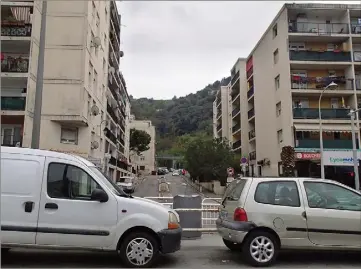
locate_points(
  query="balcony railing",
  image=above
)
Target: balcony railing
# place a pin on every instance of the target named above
(15, 29)
(331, 56)
(319, 83)
(11, 63)
(235, 78)
(121, 164)
(250, 92)
(356, 28)
(250, 113)
(249, 72)
(219, 114)
(326, 113)
(357, 56)
(219, 127)
(358, 84)
(251, 134)
(11, 141)
(235, 111)
(13, 103)
(329, 144)
(111, 112)
(318, 28)
(121, 140)
(109, 134)
(236, 127)
(252, 156)
(236, 144)
(113, 161)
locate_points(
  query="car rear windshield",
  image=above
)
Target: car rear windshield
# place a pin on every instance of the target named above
(234, 190)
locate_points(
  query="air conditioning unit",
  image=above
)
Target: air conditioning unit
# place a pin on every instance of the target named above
(94, 145)
(94, 110)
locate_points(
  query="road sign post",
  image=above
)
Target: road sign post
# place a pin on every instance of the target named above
(244, 164)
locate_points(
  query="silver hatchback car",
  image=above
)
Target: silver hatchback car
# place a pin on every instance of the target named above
(260, 216)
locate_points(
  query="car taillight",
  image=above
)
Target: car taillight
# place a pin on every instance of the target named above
(240, 215)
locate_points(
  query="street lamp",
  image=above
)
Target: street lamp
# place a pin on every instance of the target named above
(330, 86)
(354, 149)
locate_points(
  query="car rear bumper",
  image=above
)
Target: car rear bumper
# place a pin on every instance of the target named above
(234, 231)
(170, 240)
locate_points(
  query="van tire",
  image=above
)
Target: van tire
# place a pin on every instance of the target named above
(250, 239)
(123, 249)
(232, 246)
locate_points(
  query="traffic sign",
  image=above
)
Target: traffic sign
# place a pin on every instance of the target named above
(244, 160)
(230, 171)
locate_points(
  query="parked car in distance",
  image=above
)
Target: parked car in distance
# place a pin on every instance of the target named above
(53, 200)
(260, 216)
(176, 173)
(126, 183)
(161, 171)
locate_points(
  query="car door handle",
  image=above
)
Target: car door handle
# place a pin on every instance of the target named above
(51, 206)
(304, 215)
(28, 207)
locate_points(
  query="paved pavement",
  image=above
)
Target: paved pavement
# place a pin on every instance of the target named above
(208, 252)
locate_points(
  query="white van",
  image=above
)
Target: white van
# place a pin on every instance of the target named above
(56, 200)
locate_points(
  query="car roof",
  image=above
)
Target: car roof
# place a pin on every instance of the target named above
(287, 179)
(46, 153)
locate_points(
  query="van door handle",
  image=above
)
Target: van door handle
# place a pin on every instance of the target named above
(51, 206)
(28, 207)
(304, 215)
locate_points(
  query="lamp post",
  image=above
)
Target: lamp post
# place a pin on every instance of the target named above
(352, 114)
(330, 86)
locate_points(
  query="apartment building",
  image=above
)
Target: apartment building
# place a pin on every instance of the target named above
(85, 102)
(306, 47)
(145, 162)
(221, 112)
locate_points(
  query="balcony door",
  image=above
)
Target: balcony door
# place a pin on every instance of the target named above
(299, 79)
(11, 136)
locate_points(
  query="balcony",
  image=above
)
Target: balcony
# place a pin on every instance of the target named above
(11, 141)
(13, 103)
(113, 161)
(219, 127)
(236, 128)
(318, 28)
(358, 84)
(121, 164)
(328, 144)
(328, 56)
(252, 156)
(219, 113)
(236, 144)
(235, 78)
(235, 111)
(109, 134)
(111, 112)
(355, 28)
(234, 93)
(250, 113)
(319, 83)
(120, 139)
(250, 92)
(326, 113)
(15, 29)
(12, 63)
(251, 134)
(357, 56)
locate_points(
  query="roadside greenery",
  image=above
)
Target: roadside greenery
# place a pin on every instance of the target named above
(139, 141)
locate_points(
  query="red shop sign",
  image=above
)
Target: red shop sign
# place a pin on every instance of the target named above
(308, 156)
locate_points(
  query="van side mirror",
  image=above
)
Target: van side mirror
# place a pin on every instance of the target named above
(99, 195)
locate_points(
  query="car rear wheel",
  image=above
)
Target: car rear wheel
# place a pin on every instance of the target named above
(260, 249)
(232, 246)
(139, 250)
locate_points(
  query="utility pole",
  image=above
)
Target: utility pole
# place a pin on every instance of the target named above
(35, 138)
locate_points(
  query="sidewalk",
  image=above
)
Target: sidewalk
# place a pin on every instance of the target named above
(206, 193)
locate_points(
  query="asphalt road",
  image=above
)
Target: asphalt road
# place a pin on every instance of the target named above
(207, 252)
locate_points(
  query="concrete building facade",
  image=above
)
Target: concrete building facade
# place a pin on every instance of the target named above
(221, 111)
(145, 162)
(306, 47)
(85, 105)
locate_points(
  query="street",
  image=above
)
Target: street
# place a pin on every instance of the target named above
(209, 251)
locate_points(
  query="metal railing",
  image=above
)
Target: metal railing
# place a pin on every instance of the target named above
(319, 83)
(14, 63)
(250, 92)
(355, 28)
(357, 56)
(326, 113)
(237, 144)
(235, 78)
(250, 113)
(209, 209)
(318, 28)
(236, 127)
(235, 111)
(17, 29)
(327, 56)
(13, 103)
(251, 134)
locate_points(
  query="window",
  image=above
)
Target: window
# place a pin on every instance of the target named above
(69, 135)
(296, 46)
(282, 193)
(275, 56)
(331, 196)
(274, 30)
(279, 136)
(142, 158)
(278, 109)
(69, 182)
(235, 189)
(277, 82)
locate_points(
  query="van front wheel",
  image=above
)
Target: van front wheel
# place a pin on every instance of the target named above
(139, 250)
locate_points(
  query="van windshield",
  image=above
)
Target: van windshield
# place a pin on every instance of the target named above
(110, 184)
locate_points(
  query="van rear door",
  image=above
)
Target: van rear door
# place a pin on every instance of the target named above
(21, 178)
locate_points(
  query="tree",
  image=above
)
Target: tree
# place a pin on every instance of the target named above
(208, 159)
(139, 141)
(288, 161)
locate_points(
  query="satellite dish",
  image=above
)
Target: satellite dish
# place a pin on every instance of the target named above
(111, 70)
(96, 42)
(121, 53)
(94, 145)
(94, 110)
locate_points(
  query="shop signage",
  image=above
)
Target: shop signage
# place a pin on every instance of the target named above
(339, 158)
(308, 156)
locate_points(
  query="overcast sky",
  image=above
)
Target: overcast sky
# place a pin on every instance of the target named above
(176, 48)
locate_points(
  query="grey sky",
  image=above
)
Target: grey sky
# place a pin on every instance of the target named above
(176, 48)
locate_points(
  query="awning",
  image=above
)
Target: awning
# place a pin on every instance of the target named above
(336, 128)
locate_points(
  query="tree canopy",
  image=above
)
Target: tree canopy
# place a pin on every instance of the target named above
(139, 140)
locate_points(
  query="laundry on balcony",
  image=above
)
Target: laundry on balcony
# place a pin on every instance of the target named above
(320, 81)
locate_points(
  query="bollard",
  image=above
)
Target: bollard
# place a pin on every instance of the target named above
(189, 219)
